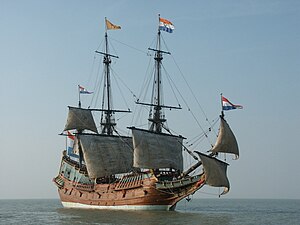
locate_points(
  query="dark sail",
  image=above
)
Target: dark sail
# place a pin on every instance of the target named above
(80, 119)
(157, 150)
(106, 155)
(215, 172)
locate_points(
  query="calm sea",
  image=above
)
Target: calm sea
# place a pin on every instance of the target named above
(197, 211)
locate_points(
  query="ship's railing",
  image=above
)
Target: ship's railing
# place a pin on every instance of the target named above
(131, 181)
(177, 183)
(75, 164)
(59, 181)
(84, 187)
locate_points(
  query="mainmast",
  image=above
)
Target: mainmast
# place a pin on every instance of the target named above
(157, 119)
(107, 123)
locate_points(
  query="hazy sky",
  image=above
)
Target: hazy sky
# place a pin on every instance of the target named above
(249, 50)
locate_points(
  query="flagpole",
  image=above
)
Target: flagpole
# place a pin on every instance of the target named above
(158, 21)
(79, 102)
(222, 112)
(67, 145)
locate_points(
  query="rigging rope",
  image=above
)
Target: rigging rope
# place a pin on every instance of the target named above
(195, 141)
(146, 86)
(92, 70)
(193, 94)
(185, 102)
(97, 85)
(189, 87)
(144, 91)
(170, 80)
(128, 145)
(116, 81)
(134, 96)
(129, 46)
(110, 44)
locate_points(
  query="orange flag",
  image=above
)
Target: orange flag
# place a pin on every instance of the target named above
(110, 26)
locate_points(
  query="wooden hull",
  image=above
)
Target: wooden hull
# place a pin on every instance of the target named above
(132, 192)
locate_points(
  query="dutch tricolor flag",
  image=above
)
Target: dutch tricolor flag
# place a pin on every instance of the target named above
(71, 139)
(227, 105)
(82, 90)
(166, 25)
(70, 144)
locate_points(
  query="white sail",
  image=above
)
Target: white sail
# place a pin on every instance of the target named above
(215, 172)
(80, 119)
(226, 141)
(156, 150)
(106, 155)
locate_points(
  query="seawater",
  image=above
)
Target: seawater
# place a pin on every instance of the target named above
(198, 211)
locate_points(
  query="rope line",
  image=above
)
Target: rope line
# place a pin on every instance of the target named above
(129, 46)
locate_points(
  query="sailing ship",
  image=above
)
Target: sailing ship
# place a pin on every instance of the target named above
(144, 171)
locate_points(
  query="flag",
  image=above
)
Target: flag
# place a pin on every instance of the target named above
(70, 135)
(166, 25)
(110, 26)
(227, 105)
(70, 143)
(82, 90)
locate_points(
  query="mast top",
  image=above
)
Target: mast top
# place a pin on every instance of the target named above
(107, 118)
(156, 116)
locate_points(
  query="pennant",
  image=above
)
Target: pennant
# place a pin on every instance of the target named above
(110, 26)
(166, 25)
(82, 90)
(227, 105)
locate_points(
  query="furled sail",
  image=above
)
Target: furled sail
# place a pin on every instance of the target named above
(106, 155)
(80, 119)
(156, 150)
(215, 172)
(226, 141)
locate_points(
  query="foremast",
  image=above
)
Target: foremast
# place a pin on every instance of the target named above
(107, 153)
(107, 118)
(107, 121)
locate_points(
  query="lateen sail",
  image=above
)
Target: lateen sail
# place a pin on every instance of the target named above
(215, 172)
(226, 141)
(80, 119)
(156, 150)
(106, 155)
